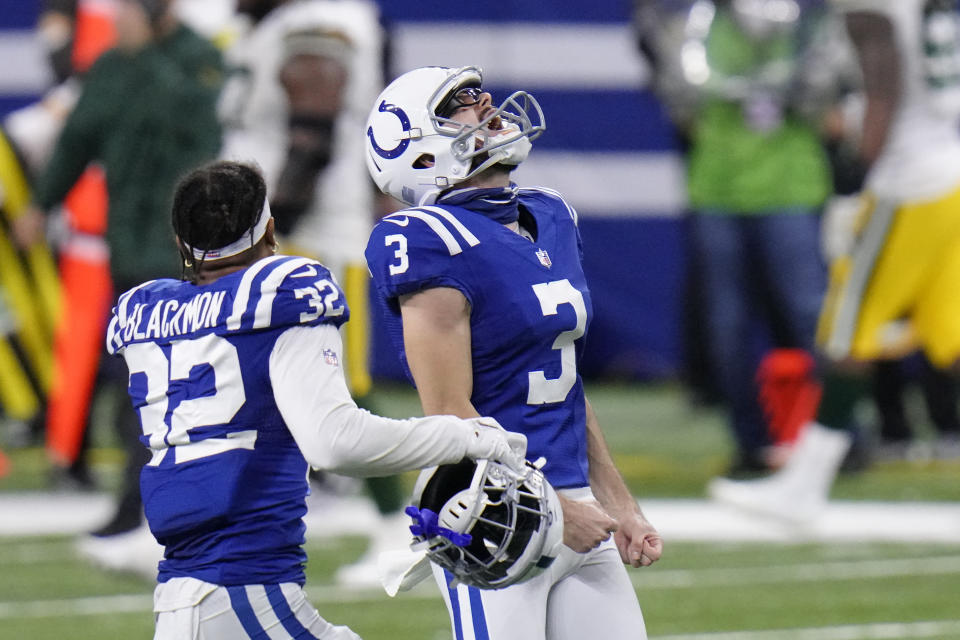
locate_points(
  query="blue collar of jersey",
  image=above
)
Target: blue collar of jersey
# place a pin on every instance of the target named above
(500, 204)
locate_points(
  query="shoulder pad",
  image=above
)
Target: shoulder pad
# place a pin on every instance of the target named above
(279, 291)
(285, 291)
(413, 247)
(549, 197)
(124, 315)
(432, 225)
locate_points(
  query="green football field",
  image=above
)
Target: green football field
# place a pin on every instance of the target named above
(706, 590)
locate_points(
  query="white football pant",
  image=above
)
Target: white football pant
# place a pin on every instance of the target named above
(581, 595)
(275, 611)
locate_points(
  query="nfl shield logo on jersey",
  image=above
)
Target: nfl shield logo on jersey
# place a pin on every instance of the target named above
(330, 357)
(544, 258)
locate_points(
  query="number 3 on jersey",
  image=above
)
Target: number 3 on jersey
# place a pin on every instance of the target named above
(403, 262)
(543, 390)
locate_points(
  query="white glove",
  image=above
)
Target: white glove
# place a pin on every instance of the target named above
(838, 227)
(493, 442)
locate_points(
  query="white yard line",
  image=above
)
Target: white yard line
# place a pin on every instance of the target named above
(670, 579)
(822, 571)
(27, 514)
(100, 605)
(33, 552)
(143, 603)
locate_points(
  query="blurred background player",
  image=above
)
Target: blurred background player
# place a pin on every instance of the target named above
(486, 301)
(235, 373)
(893, 287)
(301, 80)
(744, 81)
(146, 113)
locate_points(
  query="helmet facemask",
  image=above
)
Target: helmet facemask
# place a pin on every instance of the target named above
(508, 141)
(486, 524)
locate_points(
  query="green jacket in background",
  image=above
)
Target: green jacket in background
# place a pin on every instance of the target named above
(148, 118)
(737, 168)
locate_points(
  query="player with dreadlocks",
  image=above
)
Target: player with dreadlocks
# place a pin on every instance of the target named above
(235, 373)
(206, 227)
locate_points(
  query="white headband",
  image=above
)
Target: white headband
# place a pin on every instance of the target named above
(241, 244)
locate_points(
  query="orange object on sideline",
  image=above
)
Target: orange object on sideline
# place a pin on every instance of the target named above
(93, 32)
(4, 465)
(86, 287)
(87, 203)
(789, 392)
(87, 292)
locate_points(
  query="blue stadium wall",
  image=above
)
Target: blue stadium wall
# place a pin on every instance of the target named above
(608, 147)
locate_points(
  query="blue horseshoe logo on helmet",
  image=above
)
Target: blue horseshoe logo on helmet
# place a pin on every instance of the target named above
(404, 122)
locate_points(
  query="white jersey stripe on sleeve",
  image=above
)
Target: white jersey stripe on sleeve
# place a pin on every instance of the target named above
(119, 320)
(268, 290)
(471, 239)
(242, 298)
(113, 336)
(452, 245)
(556, 194)
(125, 299)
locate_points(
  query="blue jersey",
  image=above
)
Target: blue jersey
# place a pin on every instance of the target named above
(529, 311)
(225, 490)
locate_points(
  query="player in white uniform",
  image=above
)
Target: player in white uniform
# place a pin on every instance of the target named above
(295, 101)
(304, 134)
(301, 80)
(893, 286)
(236, 377)
(488, 304)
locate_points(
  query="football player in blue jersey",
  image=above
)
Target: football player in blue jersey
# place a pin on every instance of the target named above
(487, 302)
(235, 373)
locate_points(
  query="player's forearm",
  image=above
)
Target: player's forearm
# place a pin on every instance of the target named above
(356, 442)
(873, 36)
(336, 435)
(605, 480)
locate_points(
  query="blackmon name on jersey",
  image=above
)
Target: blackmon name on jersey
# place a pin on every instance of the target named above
(199, 362)
(276, 291)
(529, 311)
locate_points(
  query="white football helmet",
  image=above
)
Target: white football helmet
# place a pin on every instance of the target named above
(486, 524)
(407, 125)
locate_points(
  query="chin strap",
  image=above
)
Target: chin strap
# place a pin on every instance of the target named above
(511, 153)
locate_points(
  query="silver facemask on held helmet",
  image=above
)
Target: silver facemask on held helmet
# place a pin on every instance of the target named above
(486, 524)
(404, 130)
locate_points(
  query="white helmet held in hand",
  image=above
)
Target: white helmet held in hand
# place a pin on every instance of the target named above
(486, 524)
(415, 151)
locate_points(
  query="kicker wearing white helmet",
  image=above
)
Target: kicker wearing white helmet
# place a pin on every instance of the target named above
(487, 302)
